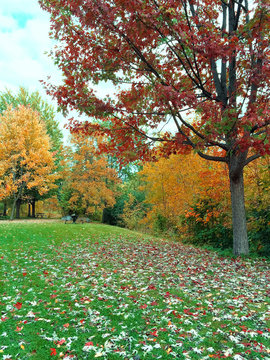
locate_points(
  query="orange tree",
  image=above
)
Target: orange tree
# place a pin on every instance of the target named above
(257, 178)
(172, 57)
(25, 159)
(199, 201)
(89, 182)
(178, 194)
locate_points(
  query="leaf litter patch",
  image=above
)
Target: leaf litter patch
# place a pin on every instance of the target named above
(121, 297)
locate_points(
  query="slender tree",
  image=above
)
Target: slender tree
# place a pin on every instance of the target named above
(89, 182)
(168, 61)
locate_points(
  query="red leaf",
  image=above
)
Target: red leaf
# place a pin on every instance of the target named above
(53, 351)
(18, 305)
(90, 343)
(61, 342)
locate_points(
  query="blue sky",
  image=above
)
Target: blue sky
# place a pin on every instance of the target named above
(24, 39)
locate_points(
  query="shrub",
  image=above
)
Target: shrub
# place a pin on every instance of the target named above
(259, 229)
(207, 225)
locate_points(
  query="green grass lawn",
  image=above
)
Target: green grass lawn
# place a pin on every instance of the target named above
(91, 291)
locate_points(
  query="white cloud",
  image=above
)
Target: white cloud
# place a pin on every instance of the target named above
(21, 6)
(7, 23)
(22, 60)
(24, 39)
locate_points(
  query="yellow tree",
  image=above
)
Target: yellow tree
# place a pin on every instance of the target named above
(89, 181)
(25, 158)
(257, 177)
(172, 186)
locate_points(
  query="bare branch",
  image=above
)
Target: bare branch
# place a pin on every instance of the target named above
(211, 157)
(141, 132)
(201, 136)
(251, 158)
(256, 127)
(238, 13)
(216, 79)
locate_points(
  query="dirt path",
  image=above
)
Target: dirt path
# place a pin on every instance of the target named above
(29, 221)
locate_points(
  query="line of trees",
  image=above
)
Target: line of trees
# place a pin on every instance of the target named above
(35, 166)
(169, 199)
(165, 197)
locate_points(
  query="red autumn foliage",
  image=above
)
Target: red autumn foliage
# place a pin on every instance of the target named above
(175, 59)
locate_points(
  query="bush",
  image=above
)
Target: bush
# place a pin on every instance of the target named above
(205, 229)
(259, 230)
(161, 223)
(113, 215)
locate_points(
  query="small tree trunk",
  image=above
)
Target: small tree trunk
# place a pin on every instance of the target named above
(18, 207)
(103, 220)
(33, 203)
(5, 208)
(29, 210)
(240, 239)
(13, 207)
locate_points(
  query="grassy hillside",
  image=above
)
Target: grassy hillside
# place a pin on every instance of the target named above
(88, 291)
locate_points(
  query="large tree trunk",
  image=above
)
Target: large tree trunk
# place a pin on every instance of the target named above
(18, 207)
(240, 238)
(16, 202)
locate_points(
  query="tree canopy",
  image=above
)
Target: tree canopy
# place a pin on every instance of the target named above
(26, 161)
(200, 66)
(35, 101)
(89, 182)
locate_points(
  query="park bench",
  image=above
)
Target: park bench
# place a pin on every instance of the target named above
(75, 218)
(67, 218)
(40, 215)
(83, 220)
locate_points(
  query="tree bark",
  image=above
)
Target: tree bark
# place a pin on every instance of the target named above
(33, 203)
(103, 216)
(240, 238)
(5, 208)
(13, 207)
(18, 206)
(29, 210)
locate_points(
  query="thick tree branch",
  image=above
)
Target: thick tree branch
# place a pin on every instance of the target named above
(223, 76)
(216, 80)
